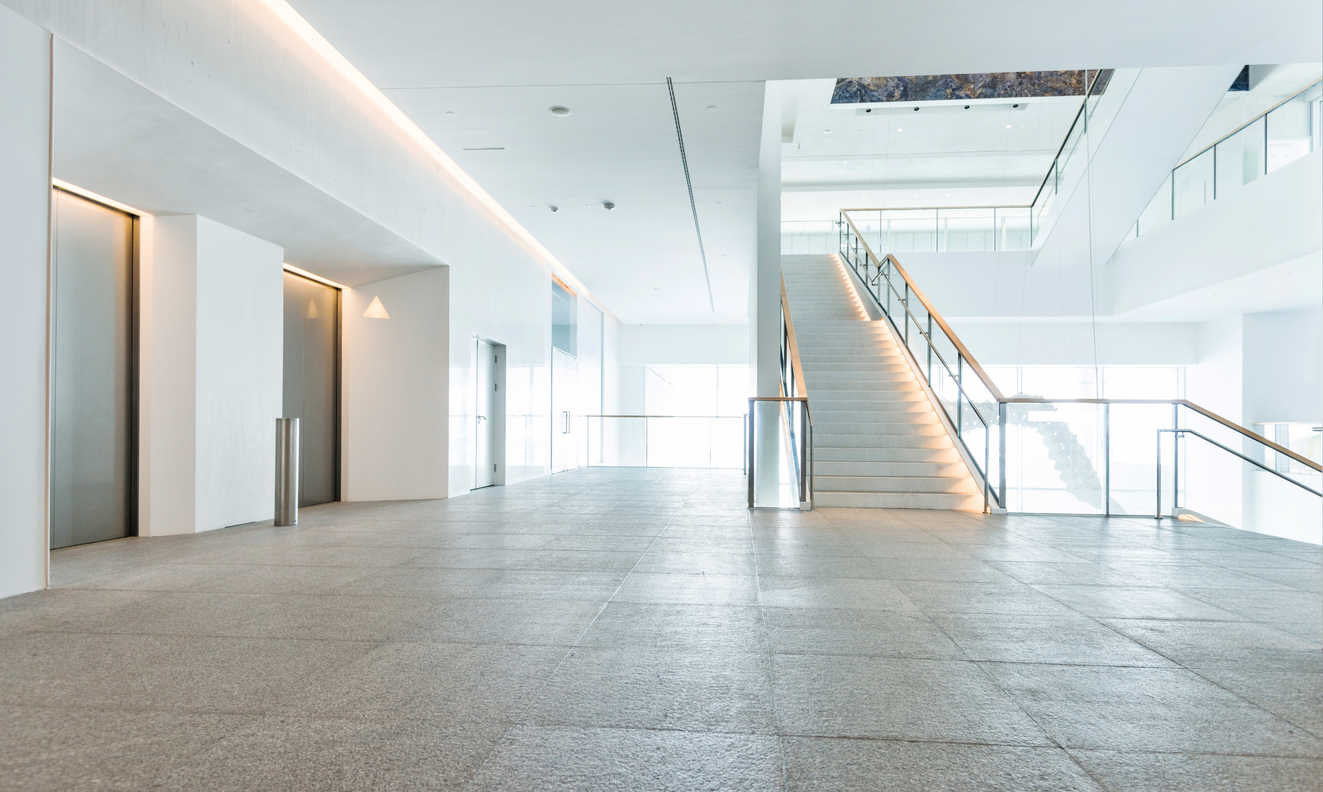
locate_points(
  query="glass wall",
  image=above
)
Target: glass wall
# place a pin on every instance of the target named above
(693, 416)
(1057, 454)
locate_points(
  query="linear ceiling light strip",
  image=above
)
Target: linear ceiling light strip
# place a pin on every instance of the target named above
(693, 207)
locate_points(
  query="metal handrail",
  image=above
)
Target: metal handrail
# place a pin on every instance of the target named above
(933, 312)
(1176, 483)
(1080, 113)
(849, 251)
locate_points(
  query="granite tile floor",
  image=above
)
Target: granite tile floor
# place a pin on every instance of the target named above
(613, 629)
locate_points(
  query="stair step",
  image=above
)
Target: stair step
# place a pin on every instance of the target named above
(962, 484)
(898, 500)
(908, 428)
(827, 440)
(927, 455)
(830, 467)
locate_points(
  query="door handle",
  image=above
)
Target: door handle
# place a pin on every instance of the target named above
(566, 430)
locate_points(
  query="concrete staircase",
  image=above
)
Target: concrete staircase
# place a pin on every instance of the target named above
(878, 442)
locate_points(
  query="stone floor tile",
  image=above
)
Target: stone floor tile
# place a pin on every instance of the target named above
(1166, 772)
(680, 628)
(298, 754)
(1148, 709)
(898, 699)
(848, 631)
(816, 763)
(594, 759)
(535, 622)
(1232, 645)
(694, 589)
(1062, 638)
(647, 688)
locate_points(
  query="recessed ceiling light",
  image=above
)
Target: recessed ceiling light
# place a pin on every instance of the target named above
(898, 129)
(450, 112)
(608, 206)
(826, 131)
(558, 110)
(718, 203)
(554, 208)
(1008, 126)
(712, 107)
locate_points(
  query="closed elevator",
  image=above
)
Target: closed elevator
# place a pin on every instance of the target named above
(312, 384)
(93, 372)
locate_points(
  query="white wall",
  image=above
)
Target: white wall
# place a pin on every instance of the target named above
(1076, 343)
(24, 233)
(394, 383)
(210, 376)
(240, 364)
(643, 345)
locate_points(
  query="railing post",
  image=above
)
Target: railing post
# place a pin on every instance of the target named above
(1001, 454)
(960, 390)
(1157, 514)
(930, 358)
(748, 461)
(803, 451)
(906, 305)
(1175, 459)
(1107, 459)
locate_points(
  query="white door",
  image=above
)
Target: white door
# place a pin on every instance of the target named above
(564, 394)
(484, 431)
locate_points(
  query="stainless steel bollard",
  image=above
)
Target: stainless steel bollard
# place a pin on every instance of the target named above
(287, 471)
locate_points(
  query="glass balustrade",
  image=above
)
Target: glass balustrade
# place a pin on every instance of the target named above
(1081, 455)
(664, 441)
(1277, 138)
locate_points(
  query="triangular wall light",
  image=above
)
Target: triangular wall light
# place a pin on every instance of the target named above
(376, 310)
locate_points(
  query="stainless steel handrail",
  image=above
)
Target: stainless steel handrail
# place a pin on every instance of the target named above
(1084, 106)
(933, 312)
(1176, 483)
(849, 252)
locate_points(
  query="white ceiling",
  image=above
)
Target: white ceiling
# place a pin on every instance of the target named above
(499, 67)
(944, 153)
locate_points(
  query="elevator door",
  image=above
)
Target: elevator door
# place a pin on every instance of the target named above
(92, 452)
(311, 386)
(485, 416)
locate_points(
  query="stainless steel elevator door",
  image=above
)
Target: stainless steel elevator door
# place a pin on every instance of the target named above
(312, 384)
(92, 453)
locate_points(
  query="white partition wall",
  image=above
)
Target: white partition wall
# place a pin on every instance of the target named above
(24, 206)
(212, 333)
(394, 388)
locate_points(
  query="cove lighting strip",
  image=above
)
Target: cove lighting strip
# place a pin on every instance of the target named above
(310, 276)
(300, 27)
(61, 184)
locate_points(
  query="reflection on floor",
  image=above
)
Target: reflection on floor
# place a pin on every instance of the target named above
(639, 629)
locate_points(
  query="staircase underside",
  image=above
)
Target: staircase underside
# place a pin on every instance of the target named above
(878, 441)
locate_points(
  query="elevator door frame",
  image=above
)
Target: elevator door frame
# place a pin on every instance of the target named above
(132, 477)
(337, 443)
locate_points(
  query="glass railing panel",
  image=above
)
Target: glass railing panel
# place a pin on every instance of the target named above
(1240, 158)
(1012, 228)
(1193, 184)
(905, 231)
(961, 230)
(1133, 452)
(1053, 458)
(775, 454)
(1158, 211)
(1291, 129)
(616, 441)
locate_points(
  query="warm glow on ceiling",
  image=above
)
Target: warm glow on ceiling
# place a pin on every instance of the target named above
(300, 27)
